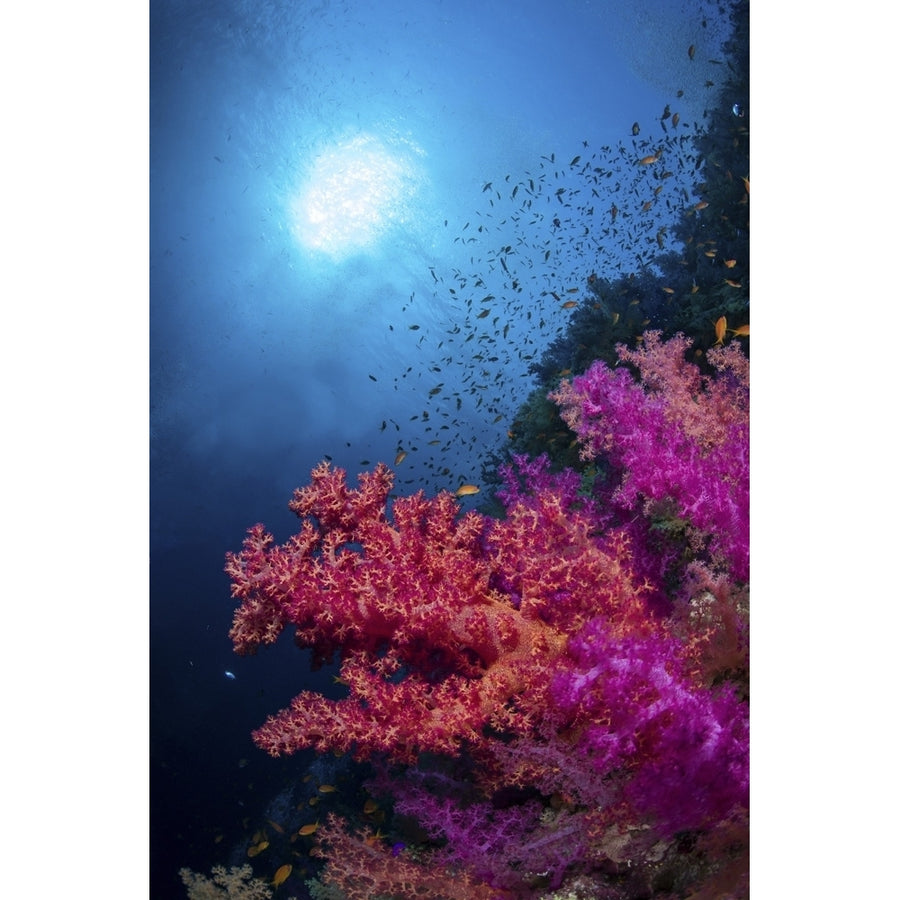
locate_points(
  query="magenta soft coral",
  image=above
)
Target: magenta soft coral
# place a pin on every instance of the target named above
(674, 436)
(682, 747)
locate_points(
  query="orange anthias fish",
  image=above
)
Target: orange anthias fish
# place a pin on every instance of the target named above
(281, 876)
(570, 304)
(741, 330)
(721, 327)
(399, 457)
(464, 490)
(649, 160)
(307, 830)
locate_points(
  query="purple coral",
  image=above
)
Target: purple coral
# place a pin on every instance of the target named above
(675, 437)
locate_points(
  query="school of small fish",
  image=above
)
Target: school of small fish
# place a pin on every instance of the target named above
(538, 236)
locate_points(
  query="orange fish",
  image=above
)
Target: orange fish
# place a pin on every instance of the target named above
(701, 205)
(464, 490)
(668, 290)
(729, 263)
(741, 330)
(370, 807)
(746, 184)
(675, 119)
(649, 160)
(721, 326)
(276, 826)
(569, 304)
(732, 282)
(281, 876)
(307, 830)
(256, 849)
(327, 789)
(399, 457)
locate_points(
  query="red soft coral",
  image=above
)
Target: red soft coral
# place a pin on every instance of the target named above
(445, 626)
(363, 867)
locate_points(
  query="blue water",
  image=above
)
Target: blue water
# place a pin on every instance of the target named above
(335, 189)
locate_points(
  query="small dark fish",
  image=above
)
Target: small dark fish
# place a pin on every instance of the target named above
(636, 129)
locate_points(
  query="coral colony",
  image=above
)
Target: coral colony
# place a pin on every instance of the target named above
(558, 697)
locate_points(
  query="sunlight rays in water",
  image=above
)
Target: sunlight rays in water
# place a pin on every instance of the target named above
(354, 192)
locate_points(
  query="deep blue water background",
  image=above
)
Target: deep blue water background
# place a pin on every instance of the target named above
(267, 355)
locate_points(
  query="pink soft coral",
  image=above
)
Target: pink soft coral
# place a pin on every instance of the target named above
(675, 436)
